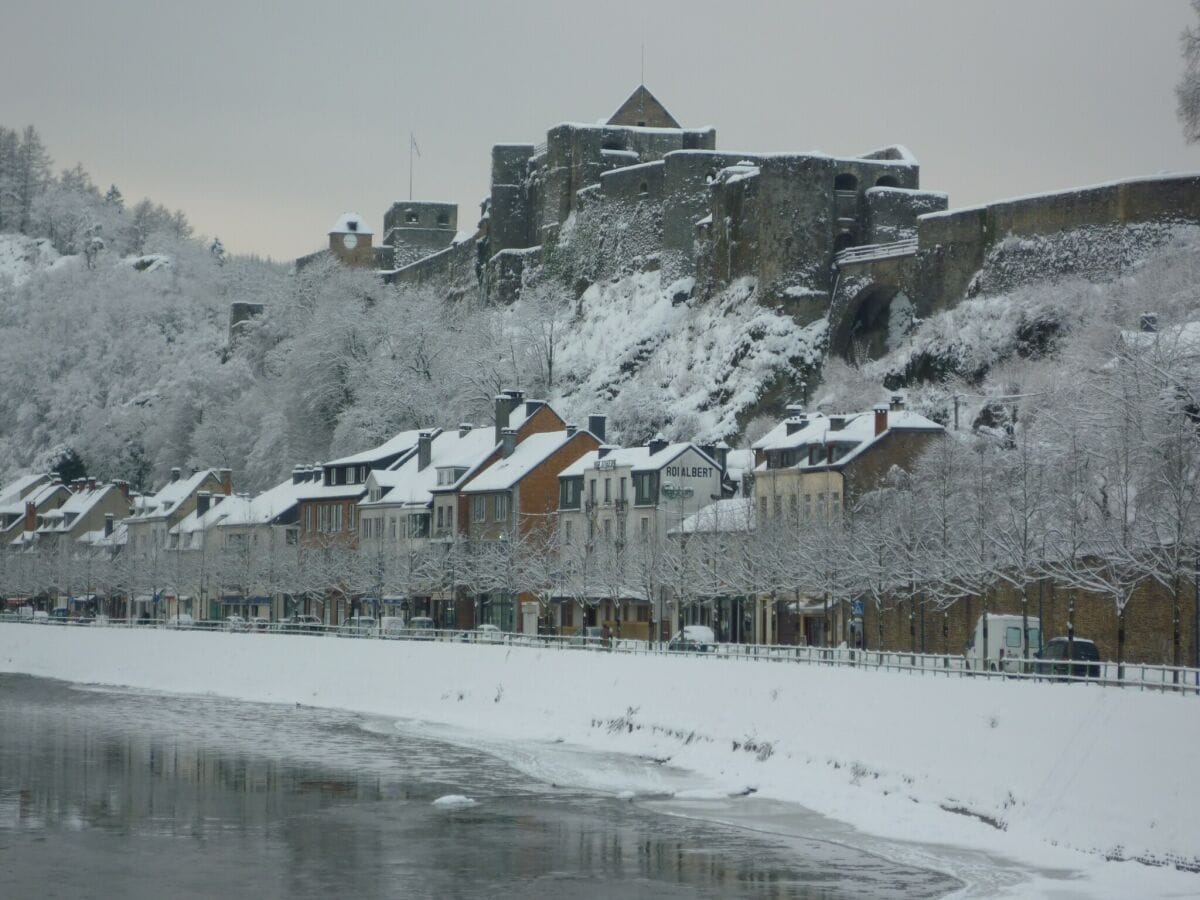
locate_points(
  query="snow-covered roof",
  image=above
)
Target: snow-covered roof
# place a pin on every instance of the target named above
(37, 497)
(721, 516)
(405, 485)
(78, 504)
(350, 223)
(857, 433)
(400, 443)
(269, 505)
(527, 456)
(640, 459)
(220, 508)
(168, 498)
(18, 488)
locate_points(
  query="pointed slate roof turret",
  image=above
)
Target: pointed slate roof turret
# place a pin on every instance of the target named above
(642, 110)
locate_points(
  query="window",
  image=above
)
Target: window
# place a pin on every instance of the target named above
(502, 507)
(592, 490)
(351, 512)
(568, 614)
(778, 507)
(794, 507)
(443, 219)
(308, 518)
(410, 216)
(608, 529)
(845, 182)
(645, 488)
(762, 503)
(567, 532)
(336, 521)
(569, 490)
(591, 530)
(1012, 636)
(887, 181)
(418, 525)
(450, 517)
(622, 494)
(478, 509)
(835, 498)
(439, 518)
(392, 528)
(621, 529)
(608, 490)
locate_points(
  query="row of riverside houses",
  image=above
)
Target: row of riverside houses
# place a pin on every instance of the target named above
(357, 535)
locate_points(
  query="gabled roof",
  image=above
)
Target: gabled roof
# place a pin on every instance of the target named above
(39, 495)
(215, 515)
(406, 486)
(643, 110)
(78, 504)
(526, 456)
(639, 459)
(18, 488)
(269, 505)
(400, 443)
(857, 434)
(172, 494)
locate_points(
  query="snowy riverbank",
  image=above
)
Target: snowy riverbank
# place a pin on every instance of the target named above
(1054, 766)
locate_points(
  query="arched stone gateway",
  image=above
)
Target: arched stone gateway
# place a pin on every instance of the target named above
(870, 309)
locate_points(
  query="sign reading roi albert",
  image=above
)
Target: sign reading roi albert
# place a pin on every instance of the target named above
(688, 471)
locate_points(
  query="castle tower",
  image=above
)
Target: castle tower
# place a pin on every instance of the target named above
(414, 230)
(350, 241)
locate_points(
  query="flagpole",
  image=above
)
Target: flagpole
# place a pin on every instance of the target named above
(411, 143)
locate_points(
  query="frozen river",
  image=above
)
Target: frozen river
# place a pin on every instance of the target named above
(124, 793)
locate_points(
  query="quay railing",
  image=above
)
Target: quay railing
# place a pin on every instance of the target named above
(1102, 674)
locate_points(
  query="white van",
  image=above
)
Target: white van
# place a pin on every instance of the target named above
(1004, 649)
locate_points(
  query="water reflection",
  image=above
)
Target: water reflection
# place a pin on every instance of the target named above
(104, 792)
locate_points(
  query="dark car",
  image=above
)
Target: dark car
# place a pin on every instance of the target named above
(1078, 658)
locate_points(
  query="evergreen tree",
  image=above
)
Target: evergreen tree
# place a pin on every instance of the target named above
(114, 199)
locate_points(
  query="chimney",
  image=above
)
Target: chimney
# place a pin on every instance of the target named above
(203, 501)
(91, 484)
(881, 419)
(424, 450)
(795, 411)
(30, 517)
(299, 474)
(175, 473)
(316, 473)
(897, 402)
(226, 481)
(504, 406)
(709, 450)
(508, 442)
(657, 444)
(464, 428)
(723, 456)
(123, 487)
(1148, 322)
(596, 425)
(571, 429)
(109, 519)
(604, 450)
(794, 425)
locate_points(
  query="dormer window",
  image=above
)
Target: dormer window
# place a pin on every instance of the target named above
(352, 225)
(411, 217)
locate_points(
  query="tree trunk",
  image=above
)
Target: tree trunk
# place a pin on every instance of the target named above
(1121, 644)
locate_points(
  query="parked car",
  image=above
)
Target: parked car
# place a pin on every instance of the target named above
(357, 627)
(40, 616)
(301, 625)
(1061, 659)
(1004, 649)
(259, 623)
(487, 634)
(235, 623)
(693, 639)
(183, 620)
(392, 626)
(420, 628)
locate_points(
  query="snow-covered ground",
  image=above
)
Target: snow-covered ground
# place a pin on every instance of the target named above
(1066, 775)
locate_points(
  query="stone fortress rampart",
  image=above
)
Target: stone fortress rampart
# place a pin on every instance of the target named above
(818, 235)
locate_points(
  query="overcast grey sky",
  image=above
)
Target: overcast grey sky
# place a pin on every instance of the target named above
(264, 122)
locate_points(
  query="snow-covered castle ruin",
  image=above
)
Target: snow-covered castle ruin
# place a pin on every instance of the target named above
(852, 239)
